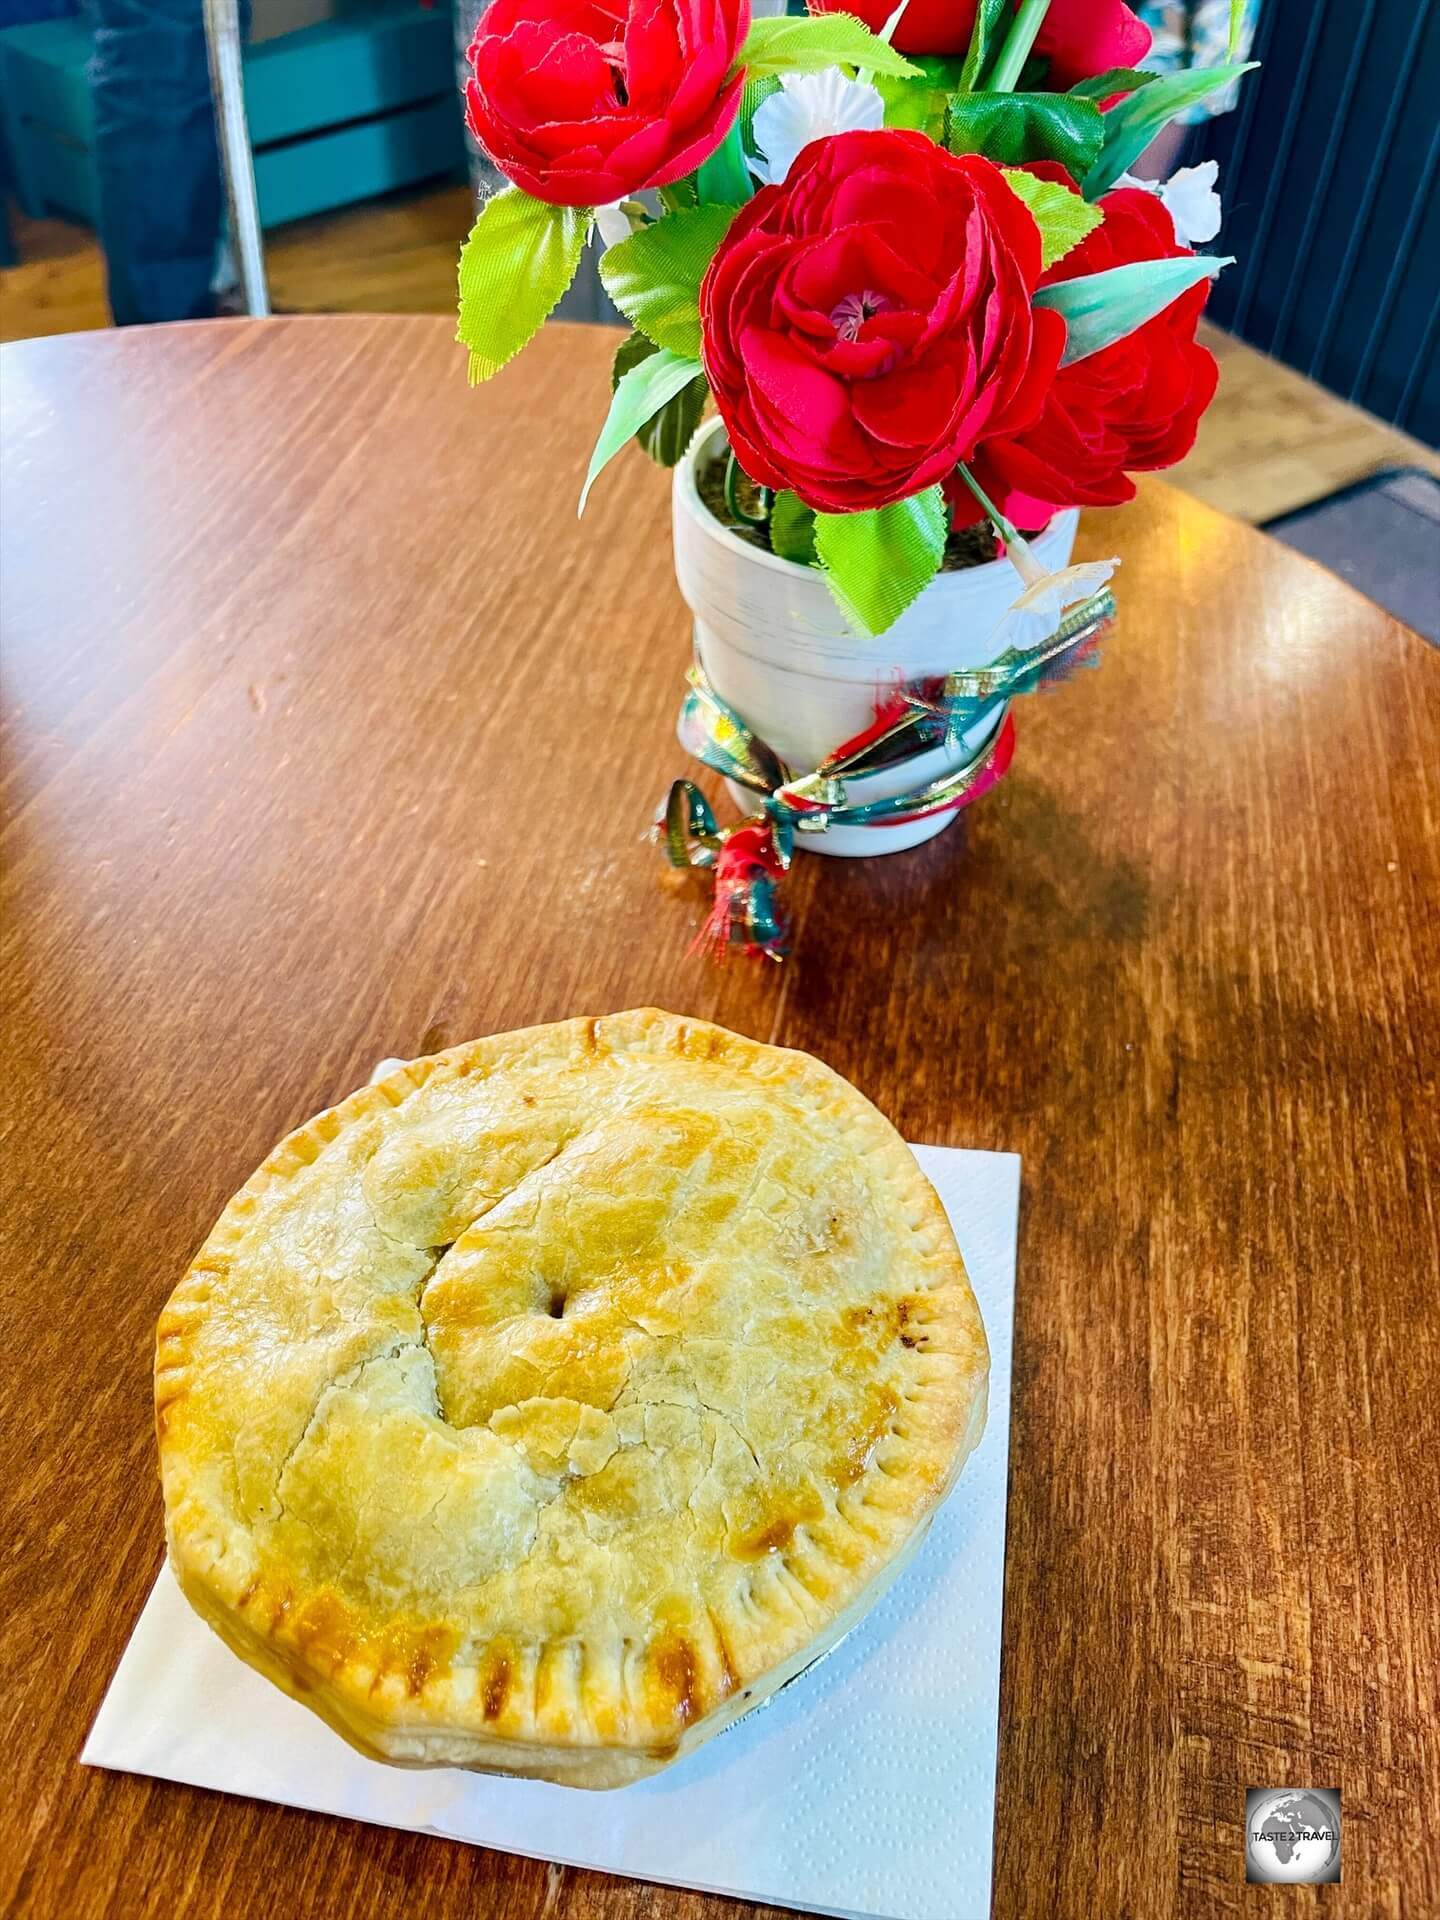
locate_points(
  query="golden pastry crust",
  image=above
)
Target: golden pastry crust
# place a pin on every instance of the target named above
(544, 1407)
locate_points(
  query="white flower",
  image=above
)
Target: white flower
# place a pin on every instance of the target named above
(1190, 199)
(614, 225)
(1032, 619)
(810, 106)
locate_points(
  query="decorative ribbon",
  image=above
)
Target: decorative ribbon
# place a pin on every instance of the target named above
(748, 860)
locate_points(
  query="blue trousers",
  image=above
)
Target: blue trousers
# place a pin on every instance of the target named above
(156, 154)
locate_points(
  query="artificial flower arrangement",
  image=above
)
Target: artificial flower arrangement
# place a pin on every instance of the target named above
(901, 254)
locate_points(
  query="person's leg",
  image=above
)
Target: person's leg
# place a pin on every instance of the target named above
(156, 155)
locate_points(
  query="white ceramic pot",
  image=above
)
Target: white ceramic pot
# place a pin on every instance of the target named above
(779, 651)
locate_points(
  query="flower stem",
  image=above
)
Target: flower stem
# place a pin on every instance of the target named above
(1017, 547)
(1016, 50)
(887, 32)
(732, 498)
(1002, 526)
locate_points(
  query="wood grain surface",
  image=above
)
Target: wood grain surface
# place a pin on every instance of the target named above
(329, 734)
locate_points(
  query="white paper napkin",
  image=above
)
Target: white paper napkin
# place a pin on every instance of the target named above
(865, 1789)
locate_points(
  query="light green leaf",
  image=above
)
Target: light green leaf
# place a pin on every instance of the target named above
(520, 257)
(810, 43)
(792, 529)
(668, 433)
(637, 398)
(1101, 308)
(920, 104)
(1062, 216)
(909, 104)
(1132, 123)
(988, 16)
(654, 276)
(1237, 28)
(877, 562)
(1012, 128)
(1114, 80)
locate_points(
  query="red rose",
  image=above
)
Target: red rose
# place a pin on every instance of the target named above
(863, 324)
(1079, 38)
(1134, 405)
(580, 103)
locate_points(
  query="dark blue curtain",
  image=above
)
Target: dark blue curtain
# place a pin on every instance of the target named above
(1329, 173)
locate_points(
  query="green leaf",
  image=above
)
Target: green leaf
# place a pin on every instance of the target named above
(666, 437)
(988, 16)
(1132, 123)
(667, 434)
(1237, 29)
(752, 95)
(631, 351)
(942, 72)
(1062, 216)
(909, 104)
(724, 179)
(520, 257)
(920, 104)
(654, 276)
(878, 561)
(639, 395)
(1101, 308)
(792, 529)
(810, 43)
(1113, 80)
(1011, 128)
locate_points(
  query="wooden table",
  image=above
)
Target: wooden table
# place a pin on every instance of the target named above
(299, 635)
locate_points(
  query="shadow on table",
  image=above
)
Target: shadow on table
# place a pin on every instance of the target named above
(1030, 878)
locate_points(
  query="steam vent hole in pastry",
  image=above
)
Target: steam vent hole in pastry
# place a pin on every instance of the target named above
(545, 1406)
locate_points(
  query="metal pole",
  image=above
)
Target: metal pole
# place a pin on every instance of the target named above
(222, 37)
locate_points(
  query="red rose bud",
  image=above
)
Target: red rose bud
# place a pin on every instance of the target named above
(1079, 38)
(581, 104)
(863, 325)
(1133, 405)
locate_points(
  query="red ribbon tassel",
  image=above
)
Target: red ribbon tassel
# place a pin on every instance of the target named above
(748, 861)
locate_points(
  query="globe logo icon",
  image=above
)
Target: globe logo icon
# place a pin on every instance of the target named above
(1292, 1834)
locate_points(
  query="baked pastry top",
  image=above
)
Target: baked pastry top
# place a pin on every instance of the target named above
(545, 1406)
